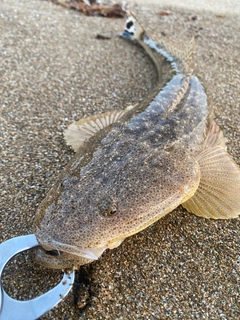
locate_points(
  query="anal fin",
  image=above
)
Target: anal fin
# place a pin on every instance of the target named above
(81, 130)
(218, 193)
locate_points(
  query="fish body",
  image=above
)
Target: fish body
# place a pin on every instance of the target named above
(132, 167)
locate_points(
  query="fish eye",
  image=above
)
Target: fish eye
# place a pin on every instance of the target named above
(107, 207)
(53, 253)
(113, 210)
(109, 212)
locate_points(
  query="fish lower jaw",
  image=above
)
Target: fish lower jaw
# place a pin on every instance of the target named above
(61, 249)
(55, 259)
(65, 249)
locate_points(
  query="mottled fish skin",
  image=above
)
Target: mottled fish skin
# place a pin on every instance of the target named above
(126, 176)
(128, 168)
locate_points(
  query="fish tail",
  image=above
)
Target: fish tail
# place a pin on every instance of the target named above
(180, 60)
(135, 32)
(132, 29)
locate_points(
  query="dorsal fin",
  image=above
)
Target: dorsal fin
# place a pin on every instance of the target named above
(179, 95)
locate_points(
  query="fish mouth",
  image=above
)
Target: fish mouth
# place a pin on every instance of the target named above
(58, 249)
(56, 255)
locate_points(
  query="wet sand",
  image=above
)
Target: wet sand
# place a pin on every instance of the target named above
(53, 71)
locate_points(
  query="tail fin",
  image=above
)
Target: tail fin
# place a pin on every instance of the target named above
(132, 29)
(181, 60)
(135, 32)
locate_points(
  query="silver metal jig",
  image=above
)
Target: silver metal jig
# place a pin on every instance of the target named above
(11, 309)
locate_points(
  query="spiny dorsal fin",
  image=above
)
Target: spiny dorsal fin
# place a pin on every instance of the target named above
(81, 130)
(218, 193)
(179, 95)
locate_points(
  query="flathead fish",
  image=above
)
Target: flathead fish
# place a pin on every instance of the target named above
(134, 166)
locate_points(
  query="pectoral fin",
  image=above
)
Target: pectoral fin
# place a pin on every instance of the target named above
(79, 131)
(218, 193)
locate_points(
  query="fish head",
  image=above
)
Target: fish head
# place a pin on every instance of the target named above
(96, 209)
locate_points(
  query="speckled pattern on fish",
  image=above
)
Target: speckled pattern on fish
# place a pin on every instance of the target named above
(126, 175)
